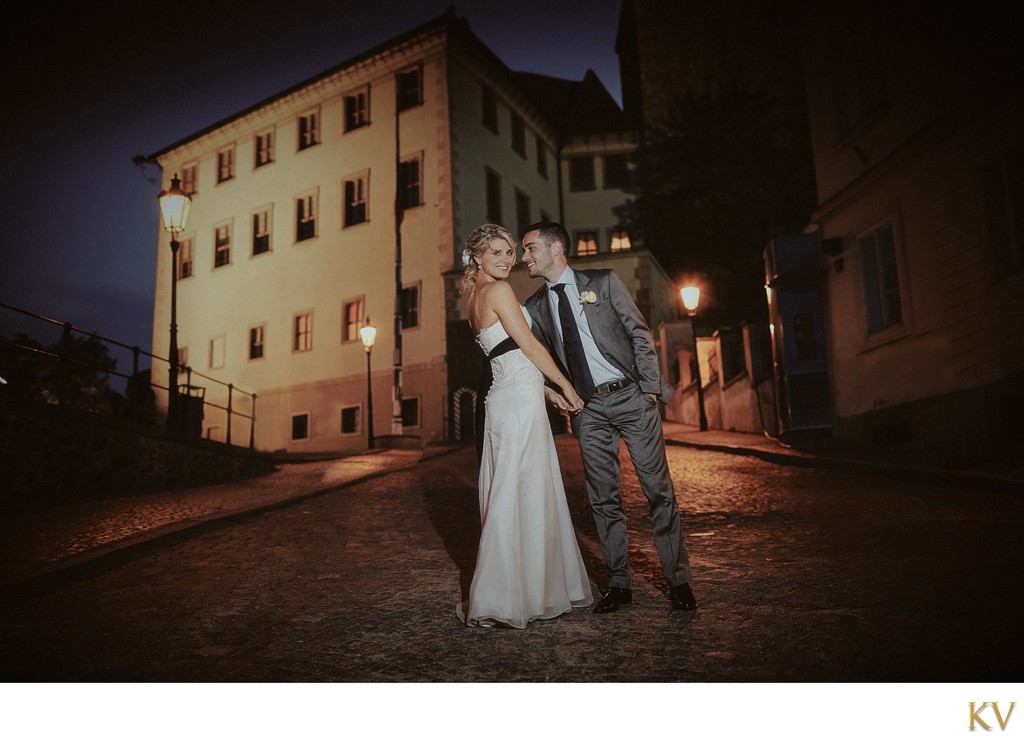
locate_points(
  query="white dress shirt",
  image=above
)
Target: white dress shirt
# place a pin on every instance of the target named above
(600, 368)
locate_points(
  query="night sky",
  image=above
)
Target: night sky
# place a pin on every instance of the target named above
(97, 84)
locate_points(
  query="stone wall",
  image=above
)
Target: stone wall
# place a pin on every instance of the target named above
(50, 455)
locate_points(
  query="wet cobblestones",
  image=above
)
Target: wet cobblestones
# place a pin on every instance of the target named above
(801, 574)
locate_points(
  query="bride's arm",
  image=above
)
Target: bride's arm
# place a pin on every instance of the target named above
(502, 300)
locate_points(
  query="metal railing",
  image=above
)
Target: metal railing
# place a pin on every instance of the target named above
(133, 402)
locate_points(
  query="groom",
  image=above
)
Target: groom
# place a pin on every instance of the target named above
(592, 328)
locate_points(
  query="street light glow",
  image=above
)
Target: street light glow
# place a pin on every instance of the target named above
(368, 334)
(174, 206)
(691, 298)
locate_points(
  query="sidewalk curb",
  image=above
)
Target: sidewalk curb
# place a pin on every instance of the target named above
(91, 563)
(907, 473)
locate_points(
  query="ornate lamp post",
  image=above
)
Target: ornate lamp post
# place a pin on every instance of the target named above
(174, 206)
(691, 298)
(368, 334)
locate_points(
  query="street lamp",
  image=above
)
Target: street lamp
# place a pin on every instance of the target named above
(174, 206)
(691, 298)
(368, 334)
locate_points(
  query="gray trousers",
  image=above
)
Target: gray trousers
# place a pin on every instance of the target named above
(633, 416)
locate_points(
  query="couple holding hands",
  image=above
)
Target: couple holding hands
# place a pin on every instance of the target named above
(581, 343)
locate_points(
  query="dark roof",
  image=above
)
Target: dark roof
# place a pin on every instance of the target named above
(574, 107)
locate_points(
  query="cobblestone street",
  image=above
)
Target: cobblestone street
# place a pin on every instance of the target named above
(802, 575)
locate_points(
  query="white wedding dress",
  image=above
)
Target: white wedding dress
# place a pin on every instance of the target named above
(528, 564)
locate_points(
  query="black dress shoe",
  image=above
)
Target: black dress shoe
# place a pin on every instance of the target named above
(613, 599)
(682, 597)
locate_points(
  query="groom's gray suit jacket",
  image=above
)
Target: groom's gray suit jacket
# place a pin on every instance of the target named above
(620, 331)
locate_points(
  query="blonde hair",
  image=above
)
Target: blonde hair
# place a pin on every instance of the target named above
(477, 243)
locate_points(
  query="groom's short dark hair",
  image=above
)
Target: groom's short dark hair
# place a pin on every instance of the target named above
(550, 231)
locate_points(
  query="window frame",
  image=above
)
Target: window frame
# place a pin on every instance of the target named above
(307, 214)
(222, 250)
(267, 214)
(308, 127)
(403, 102)
(493, 208)
(590, 184)
(517, 138)
(404, 185)
(306, 335)
(262, 343)
(218, 352)
(359, 429)
(263, 154)
(189, 177)
(414, 289)
(594, 234)
(226, 164)
(186, 247)
(895, 329)
(489, 108)
(607, 183)
(542, 158)
(348, 206)
(357, 116)
(308, 425)
(612, 238)
(346, 323)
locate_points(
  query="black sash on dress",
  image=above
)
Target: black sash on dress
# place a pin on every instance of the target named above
(486, 378)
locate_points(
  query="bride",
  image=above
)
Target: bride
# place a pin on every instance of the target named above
(528, 564)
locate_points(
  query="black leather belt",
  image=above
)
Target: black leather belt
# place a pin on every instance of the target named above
(616, 385)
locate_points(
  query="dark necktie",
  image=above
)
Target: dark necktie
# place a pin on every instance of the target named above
(579, 370)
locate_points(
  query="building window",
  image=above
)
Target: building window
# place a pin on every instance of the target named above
(351, 320)
(410, 182)
(544, 215)
(188, 179)
(357, 109)
(217, 352)
(185, 258)
(410, 412)
(881, 279)
(1002, 188)
(356, 199)
(261, 231)
(256, 342)
(410, 307)
(300, 426)
(490, 109)
(542, 157)
(350, 420)
(222, 245)
(225, 164)
(616, 172)
(264, 148)
(309, 129)
(581, 174)
(618, 241)
(586, 243)
(409, 85)
(522, 212)
(518, 135)
(493, 190)
(302, 332)
(305, 217)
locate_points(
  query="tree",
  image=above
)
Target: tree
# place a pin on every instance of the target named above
(74, 371)
(726, 170)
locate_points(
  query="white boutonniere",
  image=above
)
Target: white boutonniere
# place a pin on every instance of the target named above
(587, 298)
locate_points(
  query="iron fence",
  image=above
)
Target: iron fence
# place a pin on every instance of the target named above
(137, 402)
